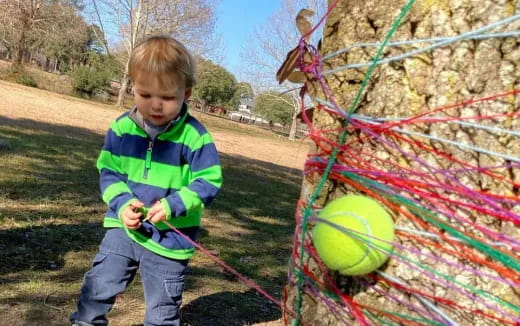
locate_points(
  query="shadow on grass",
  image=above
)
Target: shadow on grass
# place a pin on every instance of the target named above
(51, 177)
(241, 308)
(43, 248)
(49, 162)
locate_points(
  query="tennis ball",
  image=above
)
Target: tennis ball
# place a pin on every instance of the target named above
(346, 251)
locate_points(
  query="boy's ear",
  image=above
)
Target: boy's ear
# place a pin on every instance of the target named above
(187, 93)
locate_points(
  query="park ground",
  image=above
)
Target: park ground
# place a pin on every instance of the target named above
(51, 212)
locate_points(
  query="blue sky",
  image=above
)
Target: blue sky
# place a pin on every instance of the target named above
(236, 22)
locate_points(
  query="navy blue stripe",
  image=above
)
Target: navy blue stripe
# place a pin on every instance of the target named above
(176, 205)
(165, 152)
(205, 190)
(119, 200)
(110, 213)
(196, 124)
(108, 177)
(123, 115)
(169, 153)
(149, 194)
(112, 142)
(133, 146)
(166, 238)
(203, 158)
(169, 238)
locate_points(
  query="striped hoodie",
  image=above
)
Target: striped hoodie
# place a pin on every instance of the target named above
(180, 167)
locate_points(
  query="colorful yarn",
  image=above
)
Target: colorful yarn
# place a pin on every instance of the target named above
(433, 199)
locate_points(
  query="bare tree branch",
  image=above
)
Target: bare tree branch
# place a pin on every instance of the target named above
(192, 22)
(100, 21)
(269, 47)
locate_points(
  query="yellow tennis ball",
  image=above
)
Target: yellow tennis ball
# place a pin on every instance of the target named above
(347, 251)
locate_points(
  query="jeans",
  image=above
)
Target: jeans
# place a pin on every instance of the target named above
(114, 267)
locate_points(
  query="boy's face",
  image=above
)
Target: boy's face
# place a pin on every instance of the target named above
(157, 103)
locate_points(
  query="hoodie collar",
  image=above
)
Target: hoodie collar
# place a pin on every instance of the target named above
(138, 118)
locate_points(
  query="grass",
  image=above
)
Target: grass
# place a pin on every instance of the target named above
(53, 82)
(50, 228)
(44, 80)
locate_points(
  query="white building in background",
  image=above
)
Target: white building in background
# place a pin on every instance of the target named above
(245, 111)
(246, 103)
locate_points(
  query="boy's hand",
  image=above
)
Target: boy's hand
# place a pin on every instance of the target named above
(156, 213)
(131, 217)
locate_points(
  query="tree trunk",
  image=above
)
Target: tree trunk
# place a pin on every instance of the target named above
(122, 91)
(19, 48)
(294, 125)
(446, 75)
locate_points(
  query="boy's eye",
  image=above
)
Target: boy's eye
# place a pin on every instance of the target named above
(145, 95)
(169, 98)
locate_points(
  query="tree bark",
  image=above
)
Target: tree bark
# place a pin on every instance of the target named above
(20, 47)
(447, 75)
(294, 125)
(122, 91)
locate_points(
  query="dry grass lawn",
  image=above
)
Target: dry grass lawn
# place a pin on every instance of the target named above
(20, 102)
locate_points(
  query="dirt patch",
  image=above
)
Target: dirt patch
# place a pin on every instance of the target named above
(21, 102)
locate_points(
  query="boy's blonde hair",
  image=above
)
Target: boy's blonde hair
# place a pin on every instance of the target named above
(163, 57)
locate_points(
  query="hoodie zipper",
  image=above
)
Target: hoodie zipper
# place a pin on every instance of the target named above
(148, 160)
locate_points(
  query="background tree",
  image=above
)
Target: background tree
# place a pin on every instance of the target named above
(274, 107)
(268, 50)
(26, 22)
(447, 75)
(215, 85)
(67, 39)
(241, 89)
(95, 76)
(128, 22)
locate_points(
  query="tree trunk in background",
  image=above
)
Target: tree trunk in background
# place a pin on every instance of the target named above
(294, 126)
(20, 47)
(122, 91)
(447, 75)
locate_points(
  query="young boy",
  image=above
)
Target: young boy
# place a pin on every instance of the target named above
(158, 164)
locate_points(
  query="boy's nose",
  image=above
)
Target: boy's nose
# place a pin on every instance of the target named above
(156, 104)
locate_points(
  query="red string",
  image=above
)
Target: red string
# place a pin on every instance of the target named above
(444, 301)
(244, 279)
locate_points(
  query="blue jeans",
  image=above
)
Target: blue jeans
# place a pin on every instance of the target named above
(114, 267)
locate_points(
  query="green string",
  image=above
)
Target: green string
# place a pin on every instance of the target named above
(473, 290)
(407, 317)
(334, 297)
(427, 216)
(422, 212)
(332, 159)
(380, 321)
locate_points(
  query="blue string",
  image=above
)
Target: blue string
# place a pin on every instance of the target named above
(425, 40)
(419, 297)
(428, 48)
(462, 123)
(439, 139)
(495, 130)
(460, 145)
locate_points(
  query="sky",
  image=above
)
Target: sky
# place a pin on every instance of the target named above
(236, 22)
